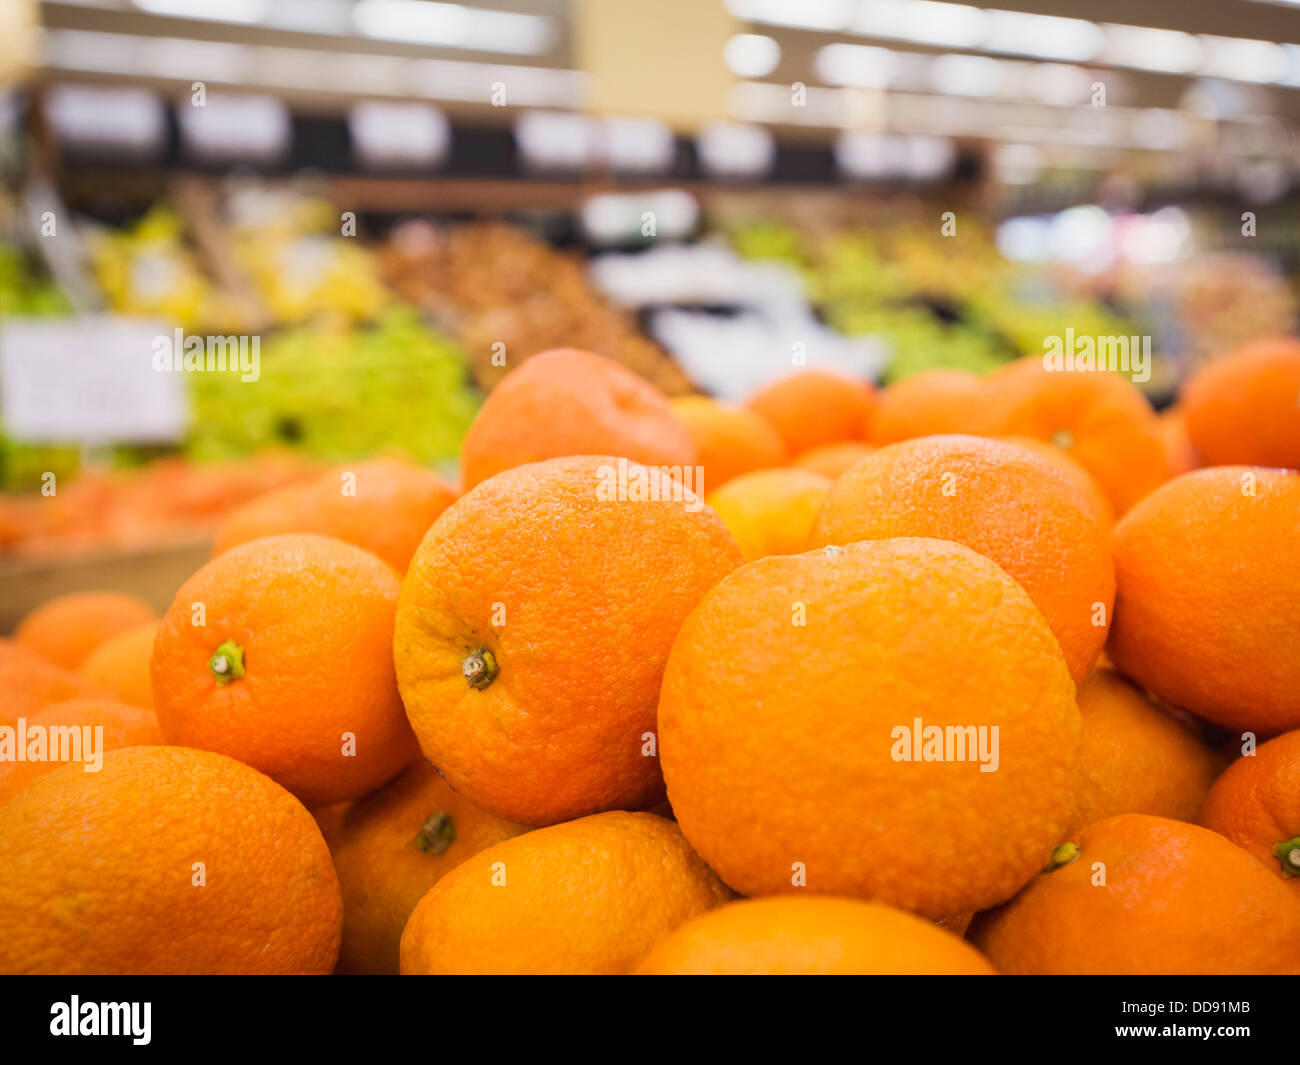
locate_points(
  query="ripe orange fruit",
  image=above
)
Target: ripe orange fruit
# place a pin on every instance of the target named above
(65, 629)
(794, 693)
(533, 629)
(731, 440)
(56, 734)
(570, 402)
(810, 935)
(290, 669)
(168, 860)
(1103, 422)
(1178, 444)
(929, 403)
(590, 896)
(1207, 612)
(393, 845)
(1096, 497)
(1175, 899)
(1256, 804)
(810, 408)
(28, 682)
(384, 505)
(120, 665)
(1007, 503)
(832, 460)
(771, 512)
(1137, 759)
(1244, 408)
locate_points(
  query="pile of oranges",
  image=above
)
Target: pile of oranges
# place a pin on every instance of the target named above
(965, 676)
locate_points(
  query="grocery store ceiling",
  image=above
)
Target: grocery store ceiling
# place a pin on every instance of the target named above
(1027, 71)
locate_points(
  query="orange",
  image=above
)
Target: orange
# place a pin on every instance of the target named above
(1096, 497)
(731, 440)
(57, 734)
(389, 848)
(533, 629)
(1103, 422)
(289, 666)
(1207, 611)
(383, 505)
(65, 629)
(1178, 444)
(570, 402)
(832, 460)
(1136, 759)
(771, 512)
(1256, 804)
(929, 403)
(590, 896)
(1145, 895)
(120, 665)
(1007, 503)
(802, 689)
(1244, 408)
(28, 682)
(168, 860)
(810, 408)
(810, 935)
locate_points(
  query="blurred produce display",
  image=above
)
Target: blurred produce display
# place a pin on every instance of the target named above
(937, 301)
(339, 392)
(149, 270)
(301, 264)
(167, 500)
(492, 284)
(26, 290)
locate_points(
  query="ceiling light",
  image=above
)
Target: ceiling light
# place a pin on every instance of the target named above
(969, 75)
(923, 21)
(1169, 51)
(246, 11)
(857, 65)
(1046, 36)
(733, 149)
(1241, 59)
(751, 55)
(453, 26)
(827, 15)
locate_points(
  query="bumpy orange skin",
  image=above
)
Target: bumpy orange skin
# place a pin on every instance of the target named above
(771, 512)
(1207, 612)
(28, 682)
(1182, 453)
(314, 617)
(1008, 504)
(123, 726)
(577, 596)
(98, 870)
(571, 402)
(731, 440)
(1256, 804)
(811, 936)
(930, 403)
(387, 509)
(1177, 900)
(1101, 419)
(66, 629)
(120, 665)
(832, 460)
(1137, 759)
(1244, 408)
(1058, 457)
(590, 896)
(811, 408)
(390, 848)
(777, 738)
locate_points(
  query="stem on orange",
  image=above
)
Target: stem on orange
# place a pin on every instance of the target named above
(479, 668)
(436, 834)
(1063, 855)
(227, 662)
(1288, 853)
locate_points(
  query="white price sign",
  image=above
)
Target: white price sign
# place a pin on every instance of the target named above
(90, 380)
